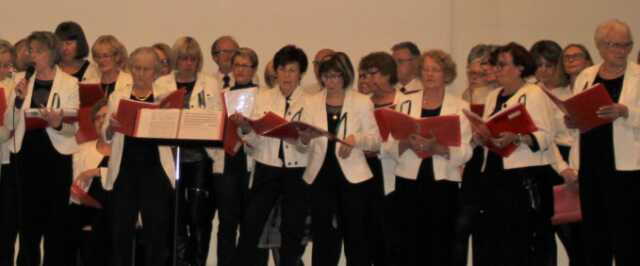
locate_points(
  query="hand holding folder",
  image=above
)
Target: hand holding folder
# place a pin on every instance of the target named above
(582, 108)
(34, 117)
(566, 204)
(272, 125)
(84, 198)
(515, 119)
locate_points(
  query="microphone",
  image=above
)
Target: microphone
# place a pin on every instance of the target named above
(27, 76)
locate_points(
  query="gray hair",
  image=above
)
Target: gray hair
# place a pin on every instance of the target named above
(479, 52)
(609, 26)
(141, 51)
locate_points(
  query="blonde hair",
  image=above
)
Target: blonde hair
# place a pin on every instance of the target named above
(116, 47)
(608, 26)
(444, 60)
(186, 46)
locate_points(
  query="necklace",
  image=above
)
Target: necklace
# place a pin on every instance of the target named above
(142, 98)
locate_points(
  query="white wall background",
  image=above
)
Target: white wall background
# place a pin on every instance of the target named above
(356, 27)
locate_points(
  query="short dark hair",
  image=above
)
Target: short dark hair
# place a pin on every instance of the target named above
(50, 41)
(383, 62)
(338, 62)
(291, 54)
(521, 57)
(412, 47)
(71, 31)
(550, 51)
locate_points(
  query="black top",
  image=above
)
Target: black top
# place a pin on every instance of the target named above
(108, 88)
(596, 145)
(138, 150)
(425, 173)
(80, 73)
(330, 166)
(104, 162)
(243, 86)
(41, 90)
(190, 154)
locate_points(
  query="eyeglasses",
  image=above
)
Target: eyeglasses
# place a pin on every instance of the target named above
(164, 62)
(618, 45)
(7, 65)
(334, 76)
(476, 74)
(244, 66)
(188, 58)
(576, 56)
(502, 65)
(401, 61)
(103, 56)
(226, 51)
(368, 73)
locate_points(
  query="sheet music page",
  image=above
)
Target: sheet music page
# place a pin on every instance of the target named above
(36, 113)
(158, 123)
(240, 101)
(198, 124)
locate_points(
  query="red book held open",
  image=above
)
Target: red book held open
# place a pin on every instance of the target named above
(514, 119)
(583, 106)
(272, 125)
(86, 129)
(446, 128)
(90, 94)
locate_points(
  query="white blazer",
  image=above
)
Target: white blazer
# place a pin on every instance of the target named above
(96, 78)
(88, 157)
(7, 85)
(65, 88)
(540, 109)
(562, 135)
(92, 74)
(413, 85)
(206, 88)
(117, 141)
(356, 118)
(408, 164)
(265, 149)
(626, 131)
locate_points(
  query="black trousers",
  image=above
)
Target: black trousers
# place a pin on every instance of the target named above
(230, 193)
(330, 196)
(195, 212)
(425, 213)
(610, 215)
(267, 187)
(517, 229)
(44, 185)
(89, 247)
(142, 188)
(8, 214)
(377, 230)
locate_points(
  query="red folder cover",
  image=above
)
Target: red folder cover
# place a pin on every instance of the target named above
(84, 197)
(446, 129)
(514, 119)
(272, 125)
(40, 123)
(86, 129)
(127, 114)
(477, 109)
(566, 205)
(90, 94)
(3, 105)
(583, 106)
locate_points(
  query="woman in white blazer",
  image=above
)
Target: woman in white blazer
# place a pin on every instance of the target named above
(232, 171)
(141, 173)
(338, 180)
(552, 77)
(608, 157)
(8, 182)
(377, 77)
(196, 201)
(110, 57)
(427, 189)
(518, 199)
(42, 156)
(278, 163)
(74, 51)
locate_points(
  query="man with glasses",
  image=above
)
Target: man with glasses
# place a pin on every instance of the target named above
(222, 50)
(405, 55)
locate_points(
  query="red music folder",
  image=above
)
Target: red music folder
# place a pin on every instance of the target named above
(446, 129)
(3, 105)
(84, 198)
(477, 109)
(583, 106)
(86, 129)
(514, 119)
(128, 110)
(272, 125)
(34, 120)
(566, 204)
(90, 94)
